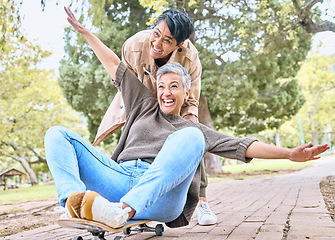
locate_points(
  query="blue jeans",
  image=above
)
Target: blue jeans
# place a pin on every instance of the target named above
(155, 191)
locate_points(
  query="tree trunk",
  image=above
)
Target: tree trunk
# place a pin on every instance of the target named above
(313, 128)
(315, 138)
(32, 175)
(278, 138)
(18, 156)
(213, 163)
(314, 125)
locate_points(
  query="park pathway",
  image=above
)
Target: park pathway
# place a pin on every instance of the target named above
(287, 206)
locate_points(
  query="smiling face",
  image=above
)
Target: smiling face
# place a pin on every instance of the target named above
(171, 93)
(161, 42)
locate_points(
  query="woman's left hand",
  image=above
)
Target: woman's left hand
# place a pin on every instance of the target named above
(303, 153)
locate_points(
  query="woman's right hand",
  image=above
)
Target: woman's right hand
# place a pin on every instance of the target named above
(74, 22)
(107, 57)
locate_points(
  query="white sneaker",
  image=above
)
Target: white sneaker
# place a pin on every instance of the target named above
(95, 207)
(204, 213)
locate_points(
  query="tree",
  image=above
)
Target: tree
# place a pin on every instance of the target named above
(247, 90)
(310, 19)
(250, 52)
(85, 83)
(256, 89)
(269, 39)
(30, 99)
(316, 77)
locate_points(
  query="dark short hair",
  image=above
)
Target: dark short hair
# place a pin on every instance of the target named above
(179, 24)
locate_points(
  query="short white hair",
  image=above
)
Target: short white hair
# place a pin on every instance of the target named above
(178, 69)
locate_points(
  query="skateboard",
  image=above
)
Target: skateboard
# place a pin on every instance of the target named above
(98, 229)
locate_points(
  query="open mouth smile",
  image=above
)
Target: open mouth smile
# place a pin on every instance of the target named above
(168, 102)
(155, 50)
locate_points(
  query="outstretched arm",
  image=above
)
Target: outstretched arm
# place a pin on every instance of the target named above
(106, 56)
(299, 154)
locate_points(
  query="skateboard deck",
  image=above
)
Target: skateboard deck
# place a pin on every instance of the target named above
(98, 229)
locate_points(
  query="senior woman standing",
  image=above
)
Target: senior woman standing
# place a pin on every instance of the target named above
(154, 162)
(143, 54)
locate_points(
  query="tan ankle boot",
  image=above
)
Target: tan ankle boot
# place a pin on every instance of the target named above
(74, 203)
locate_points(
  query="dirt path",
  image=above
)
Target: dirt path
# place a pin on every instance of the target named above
(327, 187)
(15, 218)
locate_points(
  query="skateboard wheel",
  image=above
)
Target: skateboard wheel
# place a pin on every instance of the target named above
(126, 231)
(119, 238)
(159, 229)
(98, 238)
(77, 238)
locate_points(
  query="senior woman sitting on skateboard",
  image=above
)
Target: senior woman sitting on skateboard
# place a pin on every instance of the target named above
(149, 174)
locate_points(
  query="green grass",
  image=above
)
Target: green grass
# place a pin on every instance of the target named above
(40, 192)
(261, 165)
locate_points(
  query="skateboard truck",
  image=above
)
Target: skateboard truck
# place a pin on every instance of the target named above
(98, 230)
(158, 229)
(100, 235)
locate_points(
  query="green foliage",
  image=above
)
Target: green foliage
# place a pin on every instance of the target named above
(316, 77)
(8, 19)
(250, 52)
(30, 99)
(256, 89)
(317, 80)
(130, 14)
(31, 103)
(85, 83)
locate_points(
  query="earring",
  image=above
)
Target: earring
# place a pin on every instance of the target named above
(180, 49)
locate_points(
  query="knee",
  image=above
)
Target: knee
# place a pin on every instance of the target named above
(54, 132)
(194, 136)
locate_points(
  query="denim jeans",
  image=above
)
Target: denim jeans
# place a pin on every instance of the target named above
(155, 191)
